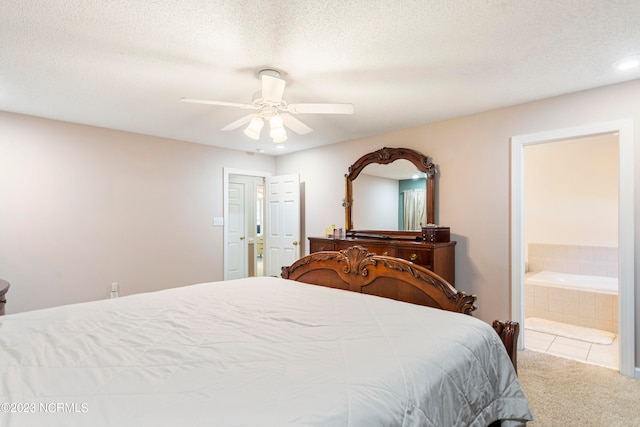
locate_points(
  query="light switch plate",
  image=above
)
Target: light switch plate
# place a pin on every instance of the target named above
(218, 220)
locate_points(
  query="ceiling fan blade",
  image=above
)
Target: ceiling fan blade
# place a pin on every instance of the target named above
(241, 121)
(320, 108)
(295, 125)
(272, 89)
(222, 103)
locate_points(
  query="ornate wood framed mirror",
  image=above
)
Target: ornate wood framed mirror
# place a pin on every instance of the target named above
(375, 182)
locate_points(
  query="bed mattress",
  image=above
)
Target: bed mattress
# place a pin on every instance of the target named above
(253, 352)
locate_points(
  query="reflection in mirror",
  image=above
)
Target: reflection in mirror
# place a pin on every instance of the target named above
(394, 192)
(401, 187)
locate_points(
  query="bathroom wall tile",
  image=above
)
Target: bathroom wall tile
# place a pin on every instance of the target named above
(528, 301)
(586, 268)
(587, 298)
(541, 303)
(571, 319)
(588, 311)
(553, 264)
(549, 251)
(605, 325)
(529, 309)
(536, 250)
(556, 306)
(605, 301)
(573, 267)
(529, 290)
(587, 253)
(572, 308)
(556, 294)
(555, 316)
(600, 269)
(542, 313)
(541, 291)
(587, 322)
(571, 295)
(561, 251)
(600, 253)
(536, 264)
(604, 313)
(573, 252)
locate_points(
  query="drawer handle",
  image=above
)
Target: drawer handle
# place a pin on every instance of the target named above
(385, 253)
(413, 257)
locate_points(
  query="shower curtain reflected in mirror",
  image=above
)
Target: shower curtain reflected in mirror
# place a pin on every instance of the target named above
(415, 209)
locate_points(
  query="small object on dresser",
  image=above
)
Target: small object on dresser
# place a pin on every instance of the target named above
(329, 232)
(435, 234)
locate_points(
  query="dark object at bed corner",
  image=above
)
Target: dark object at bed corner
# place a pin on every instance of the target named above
(4, 288)
(358, 270)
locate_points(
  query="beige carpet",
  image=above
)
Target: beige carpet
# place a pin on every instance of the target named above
(566, 393)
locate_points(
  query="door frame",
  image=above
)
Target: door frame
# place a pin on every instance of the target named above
(626, 227)
(225, 202)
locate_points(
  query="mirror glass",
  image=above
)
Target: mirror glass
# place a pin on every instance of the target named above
(390, 197)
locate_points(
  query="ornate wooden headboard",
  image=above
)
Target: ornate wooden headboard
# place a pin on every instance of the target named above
(358, 270)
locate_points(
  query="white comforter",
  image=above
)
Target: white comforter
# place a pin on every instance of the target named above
(253, 352)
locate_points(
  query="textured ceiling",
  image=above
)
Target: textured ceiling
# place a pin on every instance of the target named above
(124, 64)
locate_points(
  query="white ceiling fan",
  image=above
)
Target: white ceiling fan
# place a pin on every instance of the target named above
(275, 110)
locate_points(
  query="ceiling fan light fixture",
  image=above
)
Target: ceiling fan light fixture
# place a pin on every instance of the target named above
(278, 134)
(254, 128)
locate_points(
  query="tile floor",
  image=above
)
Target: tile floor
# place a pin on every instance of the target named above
(595, 354)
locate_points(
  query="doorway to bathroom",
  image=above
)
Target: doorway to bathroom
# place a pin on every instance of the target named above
(571, 249)
(572, 213)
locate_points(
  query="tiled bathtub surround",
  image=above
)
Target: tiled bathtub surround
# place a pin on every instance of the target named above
(579, 308)
(574, 307)
(589, 260)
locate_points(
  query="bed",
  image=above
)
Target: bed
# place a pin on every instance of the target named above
(269, 351)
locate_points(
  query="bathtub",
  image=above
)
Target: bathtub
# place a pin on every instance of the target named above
(579, 282)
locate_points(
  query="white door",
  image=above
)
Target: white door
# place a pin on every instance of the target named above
(236, 231)
(282, 237)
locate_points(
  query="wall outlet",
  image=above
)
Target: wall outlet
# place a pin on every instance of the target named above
(218, 221)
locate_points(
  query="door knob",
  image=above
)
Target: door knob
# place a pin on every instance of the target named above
(295, 243)
(241, 237)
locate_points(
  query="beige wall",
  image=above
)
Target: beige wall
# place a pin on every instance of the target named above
(571, 192)
(81, 207)
(473, 187)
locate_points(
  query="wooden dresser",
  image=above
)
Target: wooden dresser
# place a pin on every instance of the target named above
(437, 257)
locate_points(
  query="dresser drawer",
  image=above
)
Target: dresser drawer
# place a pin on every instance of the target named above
(318, 245)
(378, 249)
(382, 250)
(422, 257)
